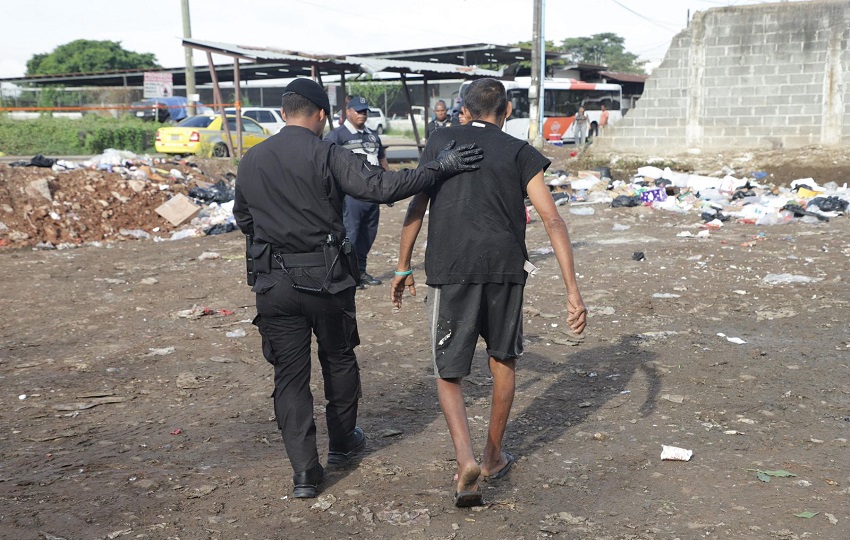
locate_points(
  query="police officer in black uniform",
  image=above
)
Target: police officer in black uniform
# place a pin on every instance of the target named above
(289, 193)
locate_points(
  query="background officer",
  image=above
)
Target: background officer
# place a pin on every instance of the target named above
(361, 217)
(289, 192)
(440, 120)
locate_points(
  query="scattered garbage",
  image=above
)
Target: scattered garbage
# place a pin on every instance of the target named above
(238, 333)
(829, 204)
(112, 196)
(582, 210)
(781, 279)
(37, 161)
(735, 340)
(765, 476)
(718, 200)
(674, 453)
(178, 209)
(196, 312)
(220, 192)
(626, 201)
(134, 233)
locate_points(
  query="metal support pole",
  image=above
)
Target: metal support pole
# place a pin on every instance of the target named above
(344, 94)
(190, 66)
(238, 104)
(425, 114)
(535, 91)
(419, 145)
(318, 73)
(220, 103)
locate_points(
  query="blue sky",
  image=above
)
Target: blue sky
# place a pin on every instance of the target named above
(333, 26)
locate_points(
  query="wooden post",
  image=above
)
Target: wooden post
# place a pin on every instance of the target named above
(410, 108)
(425, 115)
(219, 102)
(318, 73)
(344, 95)
(238, 104)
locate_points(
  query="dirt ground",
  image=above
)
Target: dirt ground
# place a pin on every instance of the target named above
(130, 415)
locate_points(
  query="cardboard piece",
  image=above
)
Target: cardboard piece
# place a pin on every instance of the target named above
(178, 209)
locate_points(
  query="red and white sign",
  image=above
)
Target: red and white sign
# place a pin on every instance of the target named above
(158, 84)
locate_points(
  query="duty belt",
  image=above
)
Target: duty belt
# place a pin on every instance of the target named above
(301, 260)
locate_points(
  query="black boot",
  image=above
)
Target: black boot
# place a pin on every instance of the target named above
(307, 483)
(356, 443)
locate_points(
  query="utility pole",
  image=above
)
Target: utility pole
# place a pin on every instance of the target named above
(535, 92)
(190, 67)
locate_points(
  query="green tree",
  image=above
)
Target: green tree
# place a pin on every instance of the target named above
(606, 49)
(376, 93)
(550, 45)
(84, 55)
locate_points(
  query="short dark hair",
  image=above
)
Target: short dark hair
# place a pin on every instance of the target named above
(485, 97)
(296, 105)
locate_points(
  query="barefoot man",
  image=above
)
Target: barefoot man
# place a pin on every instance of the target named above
(476, 264)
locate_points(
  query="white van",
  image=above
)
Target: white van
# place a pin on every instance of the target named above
(376, 121)
(268, 117)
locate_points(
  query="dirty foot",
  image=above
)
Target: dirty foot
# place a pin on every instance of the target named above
(467, 493)
(506, 461)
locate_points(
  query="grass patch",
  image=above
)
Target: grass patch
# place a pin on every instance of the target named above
(67, 136)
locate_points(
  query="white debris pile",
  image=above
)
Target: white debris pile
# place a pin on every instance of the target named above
(716, 198)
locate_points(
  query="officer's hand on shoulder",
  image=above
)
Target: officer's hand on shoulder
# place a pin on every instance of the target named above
(451, 160)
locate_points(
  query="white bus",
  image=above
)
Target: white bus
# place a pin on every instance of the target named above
(561, 100)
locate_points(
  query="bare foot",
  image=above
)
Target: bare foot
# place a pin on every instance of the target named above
(467, 479)
(500, 468)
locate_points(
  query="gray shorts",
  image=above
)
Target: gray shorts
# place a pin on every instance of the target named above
(459, 313)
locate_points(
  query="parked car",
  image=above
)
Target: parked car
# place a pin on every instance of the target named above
(376, 121)
(204, 134)
(268, 117)
(419, 114)
(161, 109)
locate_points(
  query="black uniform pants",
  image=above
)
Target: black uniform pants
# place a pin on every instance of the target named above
(361, 226)
(286, 318)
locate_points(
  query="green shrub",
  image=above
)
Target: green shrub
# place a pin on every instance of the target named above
(65, 136)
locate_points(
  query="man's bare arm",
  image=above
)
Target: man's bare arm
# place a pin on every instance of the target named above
(542, 200)
(409, 232)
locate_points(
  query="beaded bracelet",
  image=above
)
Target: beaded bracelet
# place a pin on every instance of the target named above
(405, 273)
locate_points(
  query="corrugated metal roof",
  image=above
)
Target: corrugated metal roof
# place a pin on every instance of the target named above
(338, 63)
(624, 77)
(377, 65)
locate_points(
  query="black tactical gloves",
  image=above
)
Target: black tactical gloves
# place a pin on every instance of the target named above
(451, 161)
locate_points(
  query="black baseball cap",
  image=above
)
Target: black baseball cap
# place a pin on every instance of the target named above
(358, 104)
(311, 90)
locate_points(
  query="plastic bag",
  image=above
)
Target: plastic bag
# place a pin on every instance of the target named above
(626, 201)
(220, 192)
(829, 204)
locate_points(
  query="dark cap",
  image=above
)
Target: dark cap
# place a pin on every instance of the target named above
(358, 104)
(311, 90)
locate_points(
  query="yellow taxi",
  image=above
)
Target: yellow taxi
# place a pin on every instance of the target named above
(204, 135)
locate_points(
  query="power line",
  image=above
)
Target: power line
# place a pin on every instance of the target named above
(662, 25)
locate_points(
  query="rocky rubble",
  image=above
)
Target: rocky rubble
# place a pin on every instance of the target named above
(110, 197)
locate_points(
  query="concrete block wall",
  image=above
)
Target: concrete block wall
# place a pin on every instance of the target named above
(748, 77)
